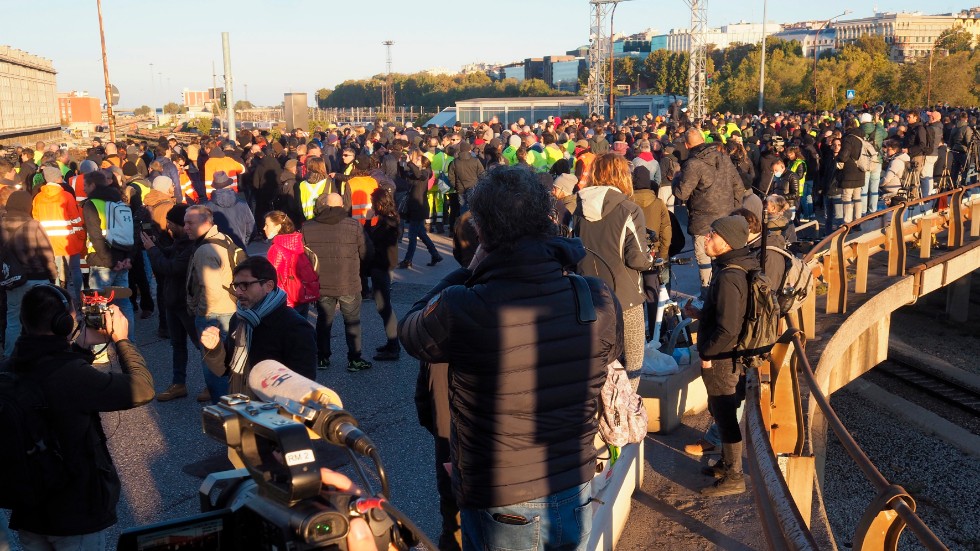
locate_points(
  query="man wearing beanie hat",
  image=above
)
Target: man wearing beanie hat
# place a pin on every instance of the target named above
(232, 214)
(722, 318)
(510, 152)
(26, 246)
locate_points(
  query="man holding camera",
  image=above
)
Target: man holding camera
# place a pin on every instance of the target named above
(53, 352)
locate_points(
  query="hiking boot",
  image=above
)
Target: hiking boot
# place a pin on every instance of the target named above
(730, 484)
(323, 363)
(387, 354)
(702, 447)
(718, 470)
(204, 396)
(435, 260)
(358, 365)
(175, 391)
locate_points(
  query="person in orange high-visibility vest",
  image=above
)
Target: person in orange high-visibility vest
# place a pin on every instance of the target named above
(61, 218)
(189, 179)
(218, 161)
(77, 182)
(361, 186)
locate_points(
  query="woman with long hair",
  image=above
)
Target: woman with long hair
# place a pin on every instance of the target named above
(384, 230)
(417, 171)
(296, 272)
(613, 230)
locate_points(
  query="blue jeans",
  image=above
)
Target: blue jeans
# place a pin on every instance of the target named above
(95, 541)
(806, 200)
(217, 386)
(100, 278)
(869, 193)
(416, 231)
(560, 521)
(69, 275)
(15, 297)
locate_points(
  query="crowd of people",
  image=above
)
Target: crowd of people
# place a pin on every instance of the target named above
(525, 204)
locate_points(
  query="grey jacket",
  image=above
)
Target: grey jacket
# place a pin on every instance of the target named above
(705, 184)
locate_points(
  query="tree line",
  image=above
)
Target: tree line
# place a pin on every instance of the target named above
(950, 76)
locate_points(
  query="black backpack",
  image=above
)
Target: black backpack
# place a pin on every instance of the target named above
(760, 328)
(31, 463)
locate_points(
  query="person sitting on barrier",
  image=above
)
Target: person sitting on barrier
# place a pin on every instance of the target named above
(898, 162)
(722, 319)
(525, 372)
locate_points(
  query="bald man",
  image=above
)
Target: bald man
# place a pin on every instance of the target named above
(338, 241)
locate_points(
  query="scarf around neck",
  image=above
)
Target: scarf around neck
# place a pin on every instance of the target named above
(251, 318)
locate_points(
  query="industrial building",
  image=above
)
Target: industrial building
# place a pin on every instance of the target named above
(28, 98)
(79, 110)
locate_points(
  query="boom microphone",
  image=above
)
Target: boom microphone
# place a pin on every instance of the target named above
(316, 405)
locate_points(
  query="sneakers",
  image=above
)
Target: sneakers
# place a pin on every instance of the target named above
(358, 365)
(702, 447)
(174, 392)
(386, 354)
(323, 363)
(730, 484)
(204, 396)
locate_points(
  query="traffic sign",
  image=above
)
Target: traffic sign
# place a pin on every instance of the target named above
(115, 94)
(850, 94)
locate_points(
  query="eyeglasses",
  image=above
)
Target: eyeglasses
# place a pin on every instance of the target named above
(347, 155)
(242, 285)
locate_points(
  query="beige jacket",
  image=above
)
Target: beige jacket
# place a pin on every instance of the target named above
(209, 278)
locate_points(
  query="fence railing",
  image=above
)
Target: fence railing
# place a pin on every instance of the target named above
(775, 435)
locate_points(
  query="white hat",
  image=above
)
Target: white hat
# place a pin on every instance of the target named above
(865, 117)
(163, 184)
(514, 141)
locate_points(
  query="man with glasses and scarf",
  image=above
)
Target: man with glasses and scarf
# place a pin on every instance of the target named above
(263, 328)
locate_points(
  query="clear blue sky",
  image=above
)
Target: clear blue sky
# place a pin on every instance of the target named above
(302, 45)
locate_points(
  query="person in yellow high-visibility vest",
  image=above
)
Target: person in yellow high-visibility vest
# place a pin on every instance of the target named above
(313, 186)
(436, 196)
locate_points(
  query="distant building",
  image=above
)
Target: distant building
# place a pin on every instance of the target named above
(561, 72)
(910, 35)
(440, 71)
(810, 36)
(28, 98)
(509, 110)
(79, 109)
(196, 98)
(679, 40)
(513, 70)
(534, 68)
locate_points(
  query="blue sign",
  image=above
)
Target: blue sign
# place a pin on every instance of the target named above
(850, 94)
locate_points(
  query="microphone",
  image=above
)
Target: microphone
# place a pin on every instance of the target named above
(319, 407)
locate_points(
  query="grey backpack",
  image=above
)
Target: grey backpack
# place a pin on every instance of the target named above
(797, 283)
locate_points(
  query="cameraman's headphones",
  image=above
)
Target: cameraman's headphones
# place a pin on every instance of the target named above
(62, 324)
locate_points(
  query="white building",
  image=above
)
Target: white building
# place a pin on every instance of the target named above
(824, 40)
(679, 40)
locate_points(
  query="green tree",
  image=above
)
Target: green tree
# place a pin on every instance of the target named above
(202, 124)
(142, 110)
(955, 40)
(173, 108)
(321, 97)
(243, 104)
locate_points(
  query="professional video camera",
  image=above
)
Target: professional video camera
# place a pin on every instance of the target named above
(95, 304)
(277, 501)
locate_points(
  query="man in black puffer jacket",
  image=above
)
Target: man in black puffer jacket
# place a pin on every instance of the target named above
(524, 373)
(704, 184)
(338, 242)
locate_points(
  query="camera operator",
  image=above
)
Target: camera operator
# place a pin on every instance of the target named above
(54, 353)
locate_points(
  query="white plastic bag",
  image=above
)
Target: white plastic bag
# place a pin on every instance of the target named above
(656, 362)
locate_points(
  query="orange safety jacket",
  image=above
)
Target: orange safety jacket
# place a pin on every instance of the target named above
(231, 167)
(361, 188)
(61, 217)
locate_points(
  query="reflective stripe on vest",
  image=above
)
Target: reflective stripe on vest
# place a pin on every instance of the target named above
(308, 194)
(78, 184)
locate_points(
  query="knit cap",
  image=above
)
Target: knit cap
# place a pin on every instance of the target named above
(163, 184)
(733, 229)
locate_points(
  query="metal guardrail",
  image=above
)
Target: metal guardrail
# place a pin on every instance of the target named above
(774, 416)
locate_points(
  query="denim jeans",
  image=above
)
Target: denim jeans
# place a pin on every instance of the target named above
(834, 211)
(350, 308)
(560, 521)
(100, 278)
(806, 200)
(869, 193)
(69, 275)
(181, 326)
(381, 287)
(95, 541)
(15, 297)
(416, 231)
(217, 386)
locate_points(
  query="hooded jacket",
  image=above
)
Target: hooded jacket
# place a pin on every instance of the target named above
(285, 250)
(657, 218)
(613, 230)
(24, 239)
(59, 214)
(417, 179)
(232, 215)
(524, 374)
(209, 277)
(170, 265)
(76, 392)
(850, 151)
(338, 241)
(705, 184)
(159, 204)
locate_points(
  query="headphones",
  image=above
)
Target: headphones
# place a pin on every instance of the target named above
(62, 323)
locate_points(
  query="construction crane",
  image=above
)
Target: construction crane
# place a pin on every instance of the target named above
(601, 53)
(388, 88)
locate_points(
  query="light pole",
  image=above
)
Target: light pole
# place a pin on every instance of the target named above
(762, 65)
(816, 54)
(929, 80)
(612, 63)
(105, 71)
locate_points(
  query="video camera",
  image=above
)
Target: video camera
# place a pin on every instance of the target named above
(95, 304)
(277, 501)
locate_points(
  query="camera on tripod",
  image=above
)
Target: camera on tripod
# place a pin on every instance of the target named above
(277, 501)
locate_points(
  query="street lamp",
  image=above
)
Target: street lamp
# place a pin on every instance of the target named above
(816, 54)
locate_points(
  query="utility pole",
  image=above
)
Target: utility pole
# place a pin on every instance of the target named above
(697, 60)
(229, 82)
(215, 98)
(152, 84)
(388, 90)
(762, 65)
(105, 70)
(612, 64)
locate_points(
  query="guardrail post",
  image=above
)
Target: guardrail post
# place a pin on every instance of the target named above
(975, 219)
(896, 243)
(863, 256)
(835, 274)
(808, 316)
(800, 471)
(954, 237)
(925, 236)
